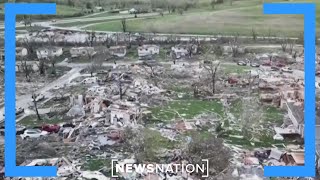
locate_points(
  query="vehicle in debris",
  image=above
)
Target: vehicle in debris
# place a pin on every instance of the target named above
(37, 97)
(287, 70)
(241, 63)
(232, 80)
(19, 110)
(280, 65)
(51, 128)
(33, 133)
(68, 125)
(274, 68)
(20, 130)
(254, 65)
(90, 80)
(266, 63)
(207, 62)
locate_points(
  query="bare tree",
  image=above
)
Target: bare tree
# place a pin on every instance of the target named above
(212, 68)
(269, 35)
(51, 59)
(254, 34)
(41, 66)
(91, 38)
(251, 111)
(124, 24)
(29, 45)
(122, 90)
(284, 44)
(210, 148)
(96, 63)
(150, 69)
(213, 3)
(190, 50)
(291, 46)
(26, 69)
(34, 99)
(234, 44)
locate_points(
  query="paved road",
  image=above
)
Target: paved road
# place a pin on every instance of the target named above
(25, 100)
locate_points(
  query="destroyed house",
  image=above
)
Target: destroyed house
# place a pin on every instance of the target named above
(44, 53)
(183, 50)
(82, 51)
(123, 115)
(21, 52)
(148, 50)
(2, 54)
(296, 115)
(291, 94)
(118, 51)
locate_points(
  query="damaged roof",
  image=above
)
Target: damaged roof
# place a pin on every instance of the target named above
(297, 112)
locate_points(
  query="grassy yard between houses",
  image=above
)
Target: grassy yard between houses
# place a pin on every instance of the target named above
(186, 109)
(32, 121)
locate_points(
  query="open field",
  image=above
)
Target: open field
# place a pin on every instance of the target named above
(242, 18)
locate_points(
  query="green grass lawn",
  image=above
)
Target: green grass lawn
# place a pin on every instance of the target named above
(186, 108)
(67, 10)
(228, 69)
(31, 121)
(240, 18)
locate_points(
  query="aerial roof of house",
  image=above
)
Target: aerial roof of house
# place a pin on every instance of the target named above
(47, 48)
(148, 46)
(87, 47)
(298, 113)
(117, 47)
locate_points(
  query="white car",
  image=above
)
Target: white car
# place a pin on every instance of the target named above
(287, 70)
(19, 110)
(33, 133)
(39, 97)
(90, 80)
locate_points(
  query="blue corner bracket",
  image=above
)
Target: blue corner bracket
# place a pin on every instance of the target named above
(309, 12)
(11, 169)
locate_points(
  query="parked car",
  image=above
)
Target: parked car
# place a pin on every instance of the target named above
(51, 128)
(68, 125)
(20, 130)
(242, 63)
(268, 63)
(39, 97)
(19, 110)
(287, 70)
(232, 80)
(280, 65)
(90, 80)
(33, 133)
(254, 65)
(207, 62)
(274, 68)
